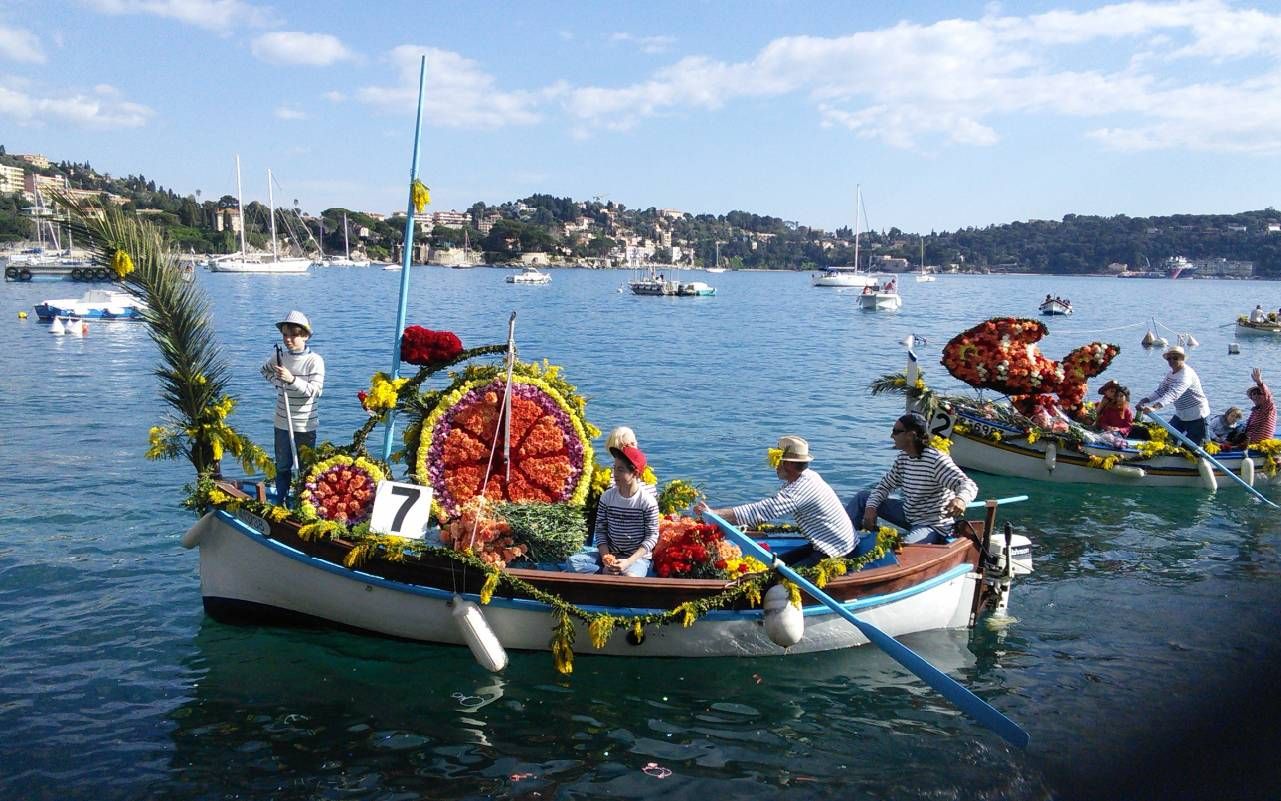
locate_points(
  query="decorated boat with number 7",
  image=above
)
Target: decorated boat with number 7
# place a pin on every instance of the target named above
(1043, 431)
(499, 457)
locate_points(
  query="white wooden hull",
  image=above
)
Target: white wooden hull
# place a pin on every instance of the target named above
(1054, 307)
(244, 570)
(1258, 329)
(1015, 457)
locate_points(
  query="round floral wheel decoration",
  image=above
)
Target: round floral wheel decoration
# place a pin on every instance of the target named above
(340, 489)
(550, 449)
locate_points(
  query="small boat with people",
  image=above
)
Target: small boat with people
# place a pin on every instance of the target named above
(882, 295)
(96, 304)
(1055, 306)
(530, 275)
(1037, 435)
(1259, 323)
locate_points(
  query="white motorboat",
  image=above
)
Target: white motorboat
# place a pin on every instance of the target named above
(1055, 306)
(96, 304)
(530, 275)
(881, 295)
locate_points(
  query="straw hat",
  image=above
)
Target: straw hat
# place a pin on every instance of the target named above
(296, 318)
(794, 449)
(1174, 351)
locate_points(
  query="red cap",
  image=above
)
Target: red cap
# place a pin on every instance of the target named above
(633, 455)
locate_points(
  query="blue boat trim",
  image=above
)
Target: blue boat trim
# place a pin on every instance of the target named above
(290, 552)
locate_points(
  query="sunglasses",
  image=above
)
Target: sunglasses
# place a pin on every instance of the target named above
(897, 430)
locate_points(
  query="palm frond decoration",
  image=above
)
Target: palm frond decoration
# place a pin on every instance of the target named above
(193, 373)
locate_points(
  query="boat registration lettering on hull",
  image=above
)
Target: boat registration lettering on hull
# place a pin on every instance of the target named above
(253, 521)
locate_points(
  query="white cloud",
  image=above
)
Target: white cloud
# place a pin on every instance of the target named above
(646, 44)
(957, 80)
(289, 113)
(19, 44)
(104, 109)
(335, 96)
(460, 94)
(214, 15)
(296, 47)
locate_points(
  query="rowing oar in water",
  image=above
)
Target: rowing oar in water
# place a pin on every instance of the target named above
(963, 699)
(1199, 451)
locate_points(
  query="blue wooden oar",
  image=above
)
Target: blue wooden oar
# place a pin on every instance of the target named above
(963, 699)
(1199, 451)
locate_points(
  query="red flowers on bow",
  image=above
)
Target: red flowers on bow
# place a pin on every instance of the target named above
(423, 347)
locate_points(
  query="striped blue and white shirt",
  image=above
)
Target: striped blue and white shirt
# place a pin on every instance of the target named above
(927, 483)
(624, 525)
(818, 513)
(1183, 386)
(309, 381)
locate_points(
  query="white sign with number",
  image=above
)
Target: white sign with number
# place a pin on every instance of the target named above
(401, 509)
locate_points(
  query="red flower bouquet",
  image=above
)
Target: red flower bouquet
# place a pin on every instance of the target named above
(689, 549)
(422, 346)
(481, 531)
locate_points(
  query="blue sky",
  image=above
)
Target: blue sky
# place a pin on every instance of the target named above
(947, 114)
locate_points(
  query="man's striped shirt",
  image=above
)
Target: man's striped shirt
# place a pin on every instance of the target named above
(927, 483)
(1183, 386)
(818, 513)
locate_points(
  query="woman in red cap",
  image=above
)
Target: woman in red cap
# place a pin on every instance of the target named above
(626, 521)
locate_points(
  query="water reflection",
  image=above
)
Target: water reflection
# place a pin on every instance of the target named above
(301, 714)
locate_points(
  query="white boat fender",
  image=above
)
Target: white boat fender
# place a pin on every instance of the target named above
(1233, 349)
(1129, 471)
(202, 526)
(784, 622)
(1247, 470)
(1206, 470)
(57, 328)
(480, 638)
(1051, 456)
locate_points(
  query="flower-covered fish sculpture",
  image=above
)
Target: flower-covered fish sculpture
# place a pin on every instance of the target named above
(1001, 354)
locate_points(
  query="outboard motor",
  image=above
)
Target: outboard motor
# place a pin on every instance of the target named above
(1003, 559)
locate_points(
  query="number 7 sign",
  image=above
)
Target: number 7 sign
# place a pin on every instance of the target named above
(401, 509)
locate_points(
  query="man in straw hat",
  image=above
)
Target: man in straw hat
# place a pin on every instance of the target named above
(806, 497)
(298, 373)
(935, 491)
(1182, 386)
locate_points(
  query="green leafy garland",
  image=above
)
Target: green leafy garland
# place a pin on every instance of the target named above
(601, 626)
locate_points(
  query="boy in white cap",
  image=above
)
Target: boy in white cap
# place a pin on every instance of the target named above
(1182, 386)
(298, 373)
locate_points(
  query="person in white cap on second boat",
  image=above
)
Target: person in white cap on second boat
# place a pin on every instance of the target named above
(1181, 386)
(298, 373)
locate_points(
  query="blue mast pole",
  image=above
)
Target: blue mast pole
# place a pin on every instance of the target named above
(408, 258)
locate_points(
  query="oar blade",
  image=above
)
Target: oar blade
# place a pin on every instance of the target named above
(969, 703)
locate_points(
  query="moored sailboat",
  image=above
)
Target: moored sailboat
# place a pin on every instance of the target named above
(255, 263)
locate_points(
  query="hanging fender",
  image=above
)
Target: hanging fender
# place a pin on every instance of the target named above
(1208, 479)
(1051, 455)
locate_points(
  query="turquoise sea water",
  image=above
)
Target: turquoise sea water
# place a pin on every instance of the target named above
(1137, 660)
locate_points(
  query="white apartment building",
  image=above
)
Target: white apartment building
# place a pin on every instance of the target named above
(10, 179)
(34, 159)
(450, 219)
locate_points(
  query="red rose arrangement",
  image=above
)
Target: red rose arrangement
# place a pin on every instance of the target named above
(423, 347)
(689, 549)
(1001, 354)
(341, 489)
(482, 532)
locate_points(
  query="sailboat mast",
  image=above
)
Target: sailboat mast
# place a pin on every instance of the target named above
(240, 207)
(858, 204)
(271, 204)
